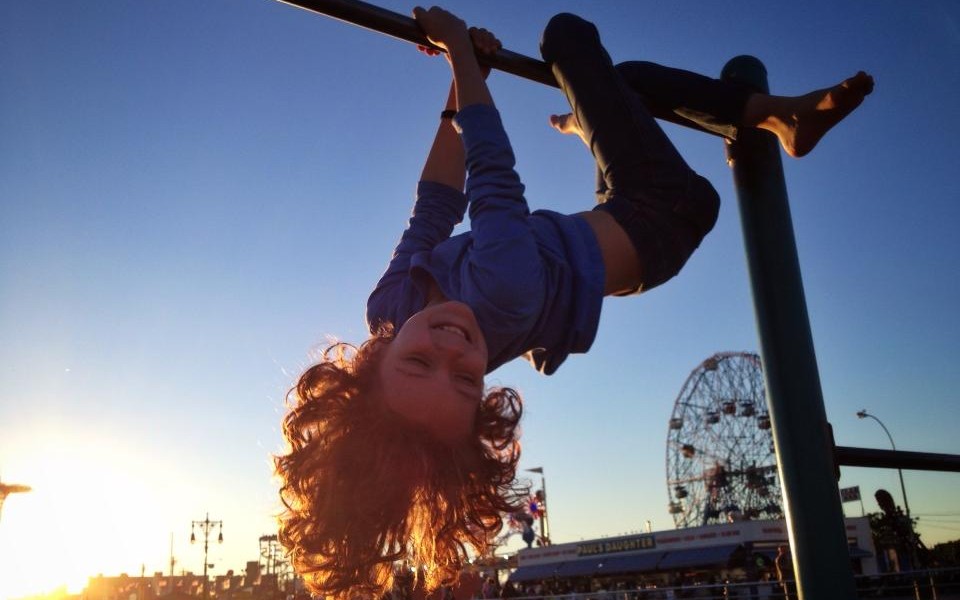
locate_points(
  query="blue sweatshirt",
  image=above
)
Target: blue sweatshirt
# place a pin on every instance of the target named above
(534, 280)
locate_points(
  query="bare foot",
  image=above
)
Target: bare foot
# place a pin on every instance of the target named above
(568, 125)
(800, 122)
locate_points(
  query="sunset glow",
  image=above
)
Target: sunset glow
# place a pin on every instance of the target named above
(89, 512)
(196, 198)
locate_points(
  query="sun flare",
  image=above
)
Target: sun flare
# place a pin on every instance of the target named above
(90, 511)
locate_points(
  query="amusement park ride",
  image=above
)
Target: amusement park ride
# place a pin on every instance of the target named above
(721, 460)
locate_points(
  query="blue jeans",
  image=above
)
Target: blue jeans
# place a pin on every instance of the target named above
(642, 181)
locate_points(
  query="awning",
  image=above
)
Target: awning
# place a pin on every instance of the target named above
(580, 568)
(587, 567)
(610, 565)
(697, 557)
(633, 563)
(535, 572)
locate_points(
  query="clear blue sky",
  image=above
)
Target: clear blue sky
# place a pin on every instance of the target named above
(197, 193)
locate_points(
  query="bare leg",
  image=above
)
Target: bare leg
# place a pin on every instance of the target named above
(653, 198)
(567, 124)
(799, 122)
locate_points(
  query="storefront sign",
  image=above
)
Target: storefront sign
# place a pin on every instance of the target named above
(631, 544)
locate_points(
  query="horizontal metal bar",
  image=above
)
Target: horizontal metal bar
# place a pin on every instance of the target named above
(374, 18)
(406, 29)
(896, 459)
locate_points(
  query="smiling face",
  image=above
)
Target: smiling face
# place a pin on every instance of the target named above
(432, 372)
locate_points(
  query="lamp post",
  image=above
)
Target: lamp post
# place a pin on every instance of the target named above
(545, 519)
(863, 414)
(206, 526)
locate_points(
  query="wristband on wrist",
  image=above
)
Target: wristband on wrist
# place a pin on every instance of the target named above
(448, 114)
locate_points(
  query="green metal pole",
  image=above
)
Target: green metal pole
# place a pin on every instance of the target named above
(801, 434)
(896, 459)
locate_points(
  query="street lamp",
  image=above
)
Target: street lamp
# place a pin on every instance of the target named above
(545, 518)
(206, 526)
(863, 414)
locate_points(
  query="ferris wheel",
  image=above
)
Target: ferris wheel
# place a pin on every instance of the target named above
(721, 464)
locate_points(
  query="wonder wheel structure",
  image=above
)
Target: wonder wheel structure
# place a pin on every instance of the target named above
(721, 464)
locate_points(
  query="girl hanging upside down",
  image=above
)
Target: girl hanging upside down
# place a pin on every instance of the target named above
(397, 450)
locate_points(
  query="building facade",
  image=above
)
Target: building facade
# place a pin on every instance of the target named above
(733, 551)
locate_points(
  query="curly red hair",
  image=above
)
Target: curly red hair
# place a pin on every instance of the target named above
(363, 488)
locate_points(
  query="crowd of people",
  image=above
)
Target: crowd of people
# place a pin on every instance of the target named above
(653, 586)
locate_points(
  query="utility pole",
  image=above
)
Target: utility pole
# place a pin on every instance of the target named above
(172, 559)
